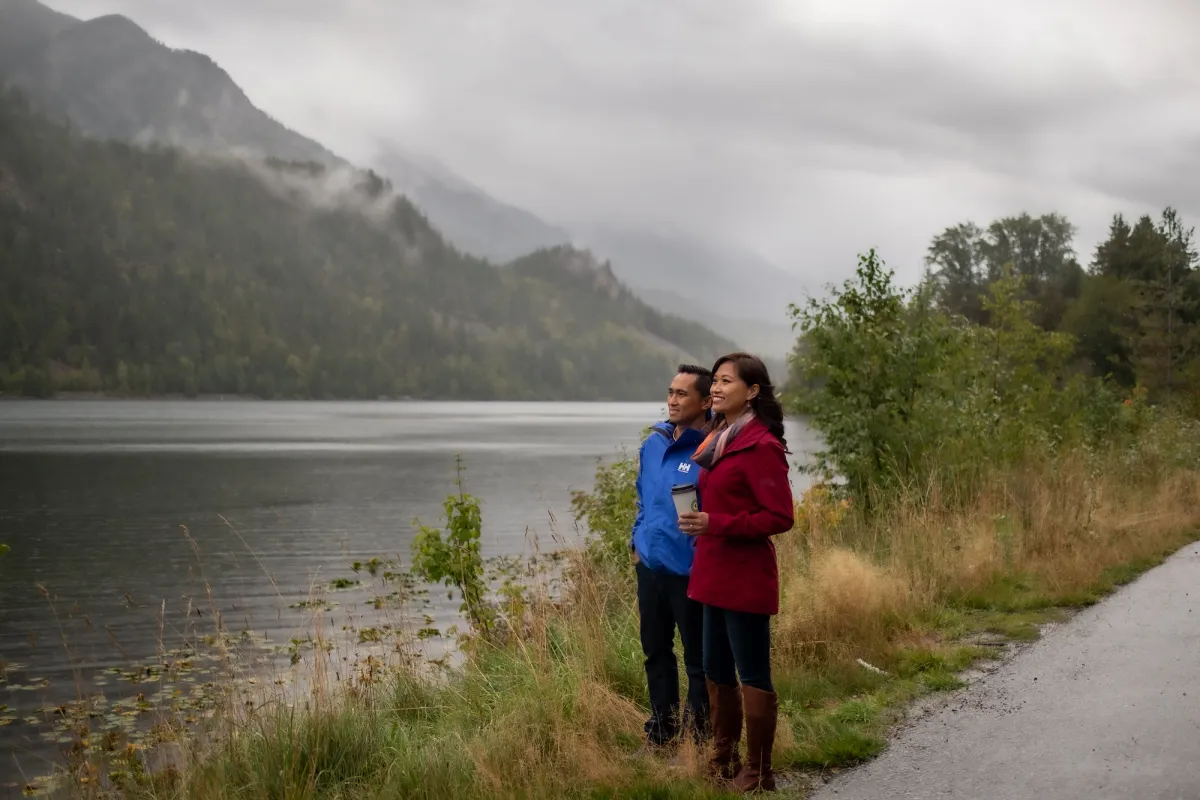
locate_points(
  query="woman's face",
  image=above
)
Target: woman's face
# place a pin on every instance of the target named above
(730, 394)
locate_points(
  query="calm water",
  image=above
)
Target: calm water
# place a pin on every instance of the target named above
(276, 499)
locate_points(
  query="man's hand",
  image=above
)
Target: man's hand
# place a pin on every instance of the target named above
(694, 523)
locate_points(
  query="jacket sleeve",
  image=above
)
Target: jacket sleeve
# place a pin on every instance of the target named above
(767, 474)
(637, 484)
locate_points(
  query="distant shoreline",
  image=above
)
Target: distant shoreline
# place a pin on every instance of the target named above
(100, 397)
(218, 398)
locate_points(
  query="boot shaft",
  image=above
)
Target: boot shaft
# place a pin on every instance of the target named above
(762, 715)
(725, 706)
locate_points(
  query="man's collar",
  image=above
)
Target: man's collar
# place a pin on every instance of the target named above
(674, 432)
(679, 431)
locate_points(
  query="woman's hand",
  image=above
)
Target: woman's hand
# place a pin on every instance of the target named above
(694, 523)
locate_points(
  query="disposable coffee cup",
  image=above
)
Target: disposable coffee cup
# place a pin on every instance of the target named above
(685, 498)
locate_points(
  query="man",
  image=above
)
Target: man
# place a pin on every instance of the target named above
(663, 556)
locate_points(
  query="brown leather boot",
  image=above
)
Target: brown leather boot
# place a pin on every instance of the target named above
(725, 708)
(762, 713)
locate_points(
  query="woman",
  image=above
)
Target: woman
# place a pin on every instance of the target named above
(745, 499)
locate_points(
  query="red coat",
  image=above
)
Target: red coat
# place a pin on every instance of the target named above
(748, 500)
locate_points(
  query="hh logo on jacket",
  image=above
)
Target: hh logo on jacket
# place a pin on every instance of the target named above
(685, 467)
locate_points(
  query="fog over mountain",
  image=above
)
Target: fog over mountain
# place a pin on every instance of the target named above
(776, 137)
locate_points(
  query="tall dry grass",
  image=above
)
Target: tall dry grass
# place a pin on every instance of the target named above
(1050, 532)
(556, 709)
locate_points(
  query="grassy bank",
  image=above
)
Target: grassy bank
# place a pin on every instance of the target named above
(555, 708)
(981, 489)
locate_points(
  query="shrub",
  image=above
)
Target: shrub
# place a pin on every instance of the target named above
(609, 511)
(902, 392)
(457, 560)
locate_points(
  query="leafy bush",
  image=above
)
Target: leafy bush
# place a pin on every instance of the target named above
(609, 511)
(907, 395)
(457, 559)
(875, 358)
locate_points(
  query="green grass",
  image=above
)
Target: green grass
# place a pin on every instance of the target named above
(841, 715)
(1117, 576)
(560, 715)
(557, 711)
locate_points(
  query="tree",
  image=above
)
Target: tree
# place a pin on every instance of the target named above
(955, 266)
(1023, 362)
(1111, 259)
(964, 260)
(1139, 312)
(1039, 248)
(1104, 325)
(1166, 302)
(874, 357)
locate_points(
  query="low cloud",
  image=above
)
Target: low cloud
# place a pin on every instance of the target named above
(806, 130)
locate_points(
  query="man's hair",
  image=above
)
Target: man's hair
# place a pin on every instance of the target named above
(704, 377)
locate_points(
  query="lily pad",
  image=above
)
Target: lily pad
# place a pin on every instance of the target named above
(28, 687)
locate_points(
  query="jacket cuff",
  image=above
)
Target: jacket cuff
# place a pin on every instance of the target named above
(718, 523)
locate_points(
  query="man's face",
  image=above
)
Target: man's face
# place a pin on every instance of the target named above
(684, 403)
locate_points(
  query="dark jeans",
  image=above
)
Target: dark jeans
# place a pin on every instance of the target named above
(663, 605)
(737, 643)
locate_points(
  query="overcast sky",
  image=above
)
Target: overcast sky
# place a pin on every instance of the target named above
(809, 131)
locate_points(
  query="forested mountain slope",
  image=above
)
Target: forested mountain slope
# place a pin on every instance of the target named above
(150, 271)
(113, 79)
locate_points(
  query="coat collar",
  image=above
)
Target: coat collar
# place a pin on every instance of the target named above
(689, 436)
(754, 433)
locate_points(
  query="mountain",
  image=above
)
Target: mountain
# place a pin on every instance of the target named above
(148, 271)
(580, 280)
(111, 79)
(467, 215)
(733, 291)
(25, 27)
(675, 272)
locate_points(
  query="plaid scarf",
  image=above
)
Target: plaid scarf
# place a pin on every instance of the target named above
(718, 440)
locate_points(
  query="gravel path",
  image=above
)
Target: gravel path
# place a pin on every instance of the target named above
(1106, 705)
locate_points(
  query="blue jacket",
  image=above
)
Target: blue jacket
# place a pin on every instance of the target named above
(663, 462)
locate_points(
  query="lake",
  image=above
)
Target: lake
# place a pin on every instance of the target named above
(130, 522)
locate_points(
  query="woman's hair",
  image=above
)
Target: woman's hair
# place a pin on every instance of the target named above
(766, 405)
